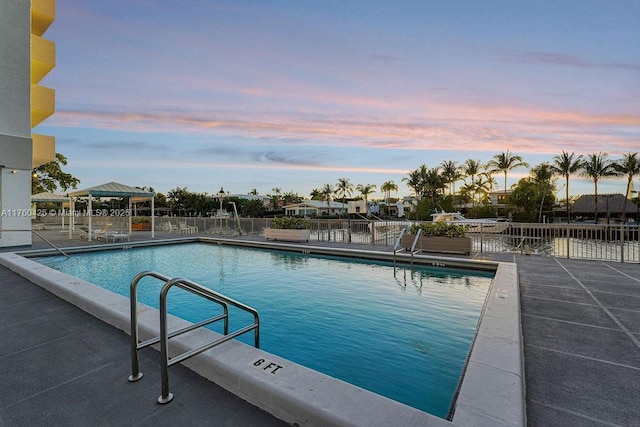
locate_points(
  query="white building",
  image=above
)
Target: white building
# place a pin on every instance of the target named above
(315, 208)
(26, 58)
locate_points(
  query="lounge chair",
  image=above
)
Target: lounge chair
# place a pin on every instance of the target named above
(95, 234)
(116, 236)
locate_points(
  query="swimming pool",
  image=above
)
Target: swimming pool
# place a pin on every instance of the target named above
(366, 323)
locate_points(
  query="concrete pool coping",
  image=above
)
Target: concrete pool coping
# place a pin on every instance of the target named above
(492, 390)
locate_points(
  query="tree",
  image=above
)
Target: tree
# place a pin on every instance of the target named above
(566, 165)
(597, 166)
(365, 190)
(629, 165)
(50, 176)
(450, 174)
(327, 194)
(275, 198)
(344, 188)
(253, 192)
(177, 198)
(527, 194)
(433, 183)
(316, 194)
(387, 188)
(542, 176)
(291, 197)
(471, 168)
(505, 162)
(414, 180)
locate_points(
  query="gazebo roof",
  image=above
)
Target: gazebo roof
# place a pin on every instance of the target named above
(614, 203)
(45, 196)
(112, 189)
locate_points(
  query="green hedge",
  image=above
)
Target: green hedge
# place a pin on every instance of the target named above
(291, 223)
(440, 229)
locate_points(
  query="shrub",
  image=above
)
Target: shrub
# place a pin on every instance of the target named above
(140, 220)
(440, 229)
(291, 223)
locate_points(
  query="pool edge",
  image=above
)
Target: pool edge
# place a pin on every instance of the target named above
(492, 389)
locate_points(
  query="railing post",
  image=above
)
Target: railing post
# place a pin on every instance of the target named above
(373, 232)
(133, 303)
(165, 397)
(622, 243)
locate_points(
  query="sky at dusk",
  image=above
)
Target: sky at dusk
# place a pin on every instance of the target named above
(296, 94)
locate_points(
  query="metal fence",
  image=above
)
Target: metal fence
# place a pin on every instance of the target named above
(588, 241)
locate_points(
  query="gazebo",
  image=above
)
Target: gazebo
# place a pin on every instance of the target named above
(47, 197)
(112, 189)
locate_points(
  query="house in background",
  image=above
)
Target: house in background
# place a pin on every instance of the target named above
(498, 197)
(610, 207)
(315, 208)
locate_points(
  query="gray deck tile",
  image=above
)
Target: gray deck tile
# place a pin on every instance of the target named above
(582, 386)
(618, 300)
(598, 343)
(629, 318)
(556, 293)
(572, 312)
(541, 415)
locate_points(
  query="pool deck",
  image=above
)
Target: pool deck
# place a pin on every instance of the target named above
(580, 321)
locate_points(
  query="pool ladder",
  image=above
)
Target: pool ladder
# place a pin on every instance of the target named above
(165, 335)
(397, 247)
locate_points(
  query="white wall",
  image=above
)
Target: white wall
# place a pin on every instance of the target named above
(15, 207)
(15, 121)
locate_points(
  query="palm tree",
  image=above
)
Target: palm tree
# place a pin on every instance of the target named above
(597, 166)
(450, 174)
(327, 194)
(275, 197)
(483, 185)
(344, 187)
(365, 190)
(542, 175)
(315, 194)
(387, 188)
(629, 165)
(567, 164)
(414, 180)
(471, 168)
(505, 162)
(434, 183)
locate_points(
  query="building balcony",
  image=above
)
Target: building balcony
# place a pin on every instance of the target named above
(43, 13)
(44, 149)
(43, 103)
(43, 57)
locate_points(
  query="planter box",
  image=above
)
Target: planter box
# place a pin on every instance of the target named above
(286, 234)
(141, 226)
(460, 245)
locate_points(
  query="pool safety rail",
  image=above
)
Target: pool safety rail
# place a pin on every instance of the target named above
(42, 237)
(398, 247)
(165, 335)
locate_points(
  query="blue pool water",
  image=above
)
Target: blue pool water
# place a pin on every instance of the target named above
(403, 333)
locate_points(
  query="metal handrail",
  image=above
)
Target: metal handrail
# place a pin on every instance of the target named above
(163, 339)
(43, 238)
(415, 242)
(397, 244)
(133, 301)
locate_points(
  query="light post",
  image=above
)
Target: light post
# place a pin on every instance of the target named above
(637, 193)
(221, 195)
